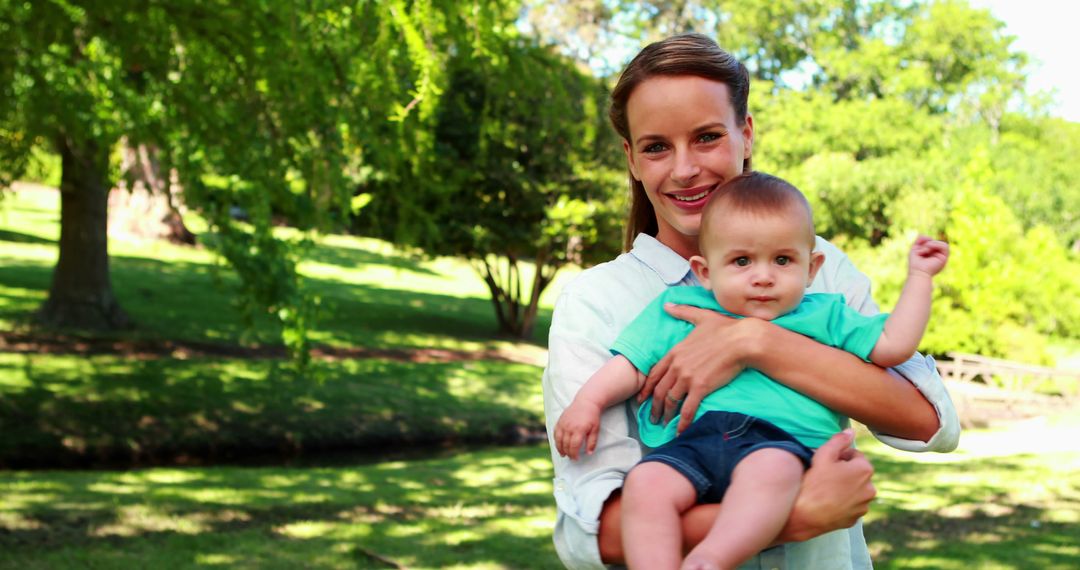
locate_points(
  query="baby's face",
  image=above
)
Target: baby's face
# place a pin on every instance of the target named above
(758, 265)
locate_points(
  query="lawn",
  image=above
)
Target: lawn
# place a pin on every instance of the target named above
(1007, 498)
(999, 502)
(373, 294)
(64, 409)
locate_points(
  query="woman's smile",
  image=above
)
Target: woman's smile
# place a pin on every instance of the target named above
(693, 198)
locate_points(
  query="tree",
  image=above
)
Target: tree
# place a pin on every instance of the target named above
(524, 170)
(271, 107)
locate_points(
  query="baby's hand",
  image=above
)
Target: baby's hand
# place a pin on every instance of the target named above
(579, 423)
(928, 256)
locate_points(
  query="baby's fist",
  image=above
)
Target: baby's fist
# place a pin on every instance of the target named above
(928, 256)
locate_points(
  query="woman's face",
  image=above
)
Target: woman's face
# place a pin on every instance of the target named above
(685, 143)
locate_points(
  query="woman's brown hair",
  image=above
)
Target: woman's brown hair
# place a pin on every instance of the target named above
(686, 54)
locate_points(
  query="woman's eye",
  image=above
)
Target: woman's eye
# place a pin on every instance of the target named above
(709, 137)
(783, 260)
(653, 148)
(742, 261)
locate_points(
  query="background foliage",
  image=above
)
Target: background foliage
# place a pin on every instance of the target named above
(478, 130)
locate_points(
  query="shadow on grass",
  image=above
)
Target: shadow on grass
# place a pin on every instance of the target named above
(984, 538)
(71, 411)
(471, 509)
(17, 237)
(987, 521)
(191, 301)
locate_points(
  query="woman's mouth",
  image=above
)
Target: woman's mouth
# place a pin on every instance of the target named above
(692, 198)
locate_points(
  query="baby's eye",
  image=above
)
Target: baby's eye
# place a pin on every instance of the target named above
(742, 261)
(783, 260)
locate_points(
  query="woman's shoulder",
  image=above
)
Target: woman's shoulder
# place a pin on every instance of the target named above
(624, 282)
(833, 255)
(839, 275)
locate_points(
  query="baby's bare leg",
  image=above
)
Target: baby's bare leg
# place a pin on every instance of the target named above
(755, 507)
(654, 496)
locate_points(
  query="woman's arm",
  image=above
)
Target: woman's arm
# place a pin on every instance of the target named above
(885, 402)
(719, 347)
(835, 492)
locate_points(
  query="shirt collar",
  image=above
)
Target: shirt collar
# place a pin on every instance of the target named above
(670, 266)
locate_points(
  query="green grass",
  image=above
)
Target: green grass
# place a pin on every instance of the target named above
(1000, 502)
(66, 410)
(1007, 498)
(373, 295)
(69, 410)
(474, 510)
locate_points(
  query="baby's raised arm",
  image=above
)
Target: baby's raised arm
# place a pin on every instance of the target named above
(580, 422)
(907, 322)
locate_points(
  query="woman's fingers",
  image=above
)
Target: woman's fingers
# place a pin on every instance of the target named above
(689, 408)
(688, 313)
(657, 372)
(673, 402)
(836, 448)
(662, 395)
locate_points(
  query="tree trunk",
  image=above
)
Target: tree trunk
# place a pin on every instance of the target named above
(81, 294)
(148, 209)
(516, 317)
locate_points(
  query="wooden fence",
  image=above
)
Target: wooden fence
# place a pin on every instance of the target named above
(1013, 376)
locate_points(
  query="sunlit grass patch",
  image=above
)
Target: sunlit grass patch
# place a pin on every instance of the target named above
(423, 514)
(1008, 498)
(493, 509)
(373, 293)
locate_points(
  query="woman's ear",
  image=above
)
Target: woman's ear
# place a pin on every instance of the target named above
(817, 259)
(748, 137)
(700, 266)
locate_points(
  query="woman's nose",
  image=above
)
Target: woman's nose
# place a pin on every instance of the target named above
(685, 168)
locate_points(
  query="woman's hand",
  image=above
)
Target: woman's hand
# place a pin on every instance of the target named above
(835, 491)
(707, 359)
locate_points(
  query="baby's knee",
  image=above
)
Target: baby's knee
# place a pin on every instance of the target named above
(648, 478)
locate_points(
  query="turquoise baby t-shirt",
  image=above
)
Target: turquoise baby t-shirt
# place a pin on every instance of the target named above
(823, 317)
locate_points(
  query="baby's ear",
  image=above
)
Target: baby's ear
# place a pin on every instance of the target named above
(700, 266)
(817, 259)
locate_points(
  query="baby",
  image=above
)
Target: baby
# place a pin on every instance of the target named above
(754, 436)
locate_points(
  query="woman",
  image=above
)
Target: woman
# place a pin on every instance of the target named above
(681, 109)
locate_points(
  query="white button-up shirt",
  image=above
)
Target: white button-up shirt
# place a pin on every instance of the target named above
(589, 314)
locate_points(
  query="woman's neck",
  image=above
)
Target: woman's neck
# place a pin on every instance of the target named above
(684, 245)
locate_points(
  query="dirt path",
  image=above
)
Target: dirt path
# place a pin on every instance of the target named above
(23, 343)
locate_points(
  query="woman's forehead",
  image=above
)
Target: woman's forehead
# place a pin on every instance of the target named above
(690, 99)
